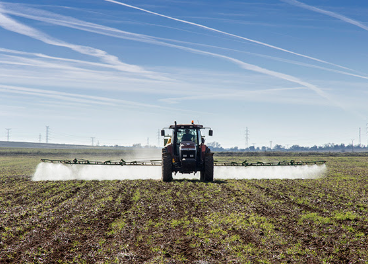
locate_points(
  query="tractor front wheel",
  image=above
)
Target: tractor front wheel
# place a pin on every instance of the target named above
(207, 174)
(166, 168)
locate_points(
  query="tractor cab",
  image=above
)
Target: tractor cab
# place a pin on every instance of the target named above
(186, 139)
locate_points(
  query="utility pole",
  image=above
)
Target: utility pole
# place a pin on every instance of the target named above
(39, 138)
(352, 145)
(158, 138)
(271, 145)
(366, 132)
(148, 141)
(47, 134)
(246, 137)
(93, 138)
(360, 136)
(7, 135)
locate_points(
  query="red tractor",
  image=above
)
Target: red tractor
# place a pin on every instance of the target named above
(185, 152)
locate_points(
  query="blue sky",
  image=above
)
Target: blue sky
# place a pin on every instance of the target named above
(293, 72)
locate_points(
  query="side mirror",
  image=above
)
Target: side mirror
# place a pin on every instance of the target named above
(162, 132)
(210, 132)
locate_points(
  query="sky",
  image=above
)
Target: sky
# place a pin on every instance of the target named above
(116, 72)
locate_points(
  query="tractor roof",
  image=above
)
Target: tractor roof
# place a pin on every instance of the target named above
(186, 126)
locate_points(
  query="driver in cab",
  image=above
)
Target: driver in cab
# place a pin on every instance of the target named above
(187, 136)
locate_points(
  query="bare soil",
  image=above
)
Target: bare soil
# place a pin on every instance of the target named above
(185, 221)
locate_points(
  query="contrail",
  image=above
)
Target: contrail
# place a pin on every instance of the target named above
(329, 13)
(86, 99)
(232, 95)
(244, 65)
(102, 65)
(270, 57)
(60, 20)
(258, 69)
(12, 25)
(72, 96)
(307, 65)
(228, 34)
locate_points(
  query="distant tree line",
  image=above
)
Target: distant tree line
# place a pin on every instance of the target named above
(329, 147)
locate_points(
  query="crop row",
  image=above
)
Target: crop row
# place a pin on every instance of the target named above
(185, 221)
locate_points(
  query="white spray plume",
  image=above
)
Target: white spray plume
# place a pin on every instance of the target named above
(61, 172)
(271, 172)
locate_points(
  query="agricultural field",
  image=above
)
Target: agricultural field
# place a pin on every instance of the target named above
(321, 220)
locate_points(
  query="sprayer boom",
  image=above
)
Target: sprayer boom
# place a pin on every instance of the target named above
(280, 163)
(159, 163)
(107, 162)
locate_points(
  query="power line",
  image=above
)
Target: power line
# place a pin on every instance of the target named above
(246, 137)
(158, 138)
(47, 134)
(352, 145)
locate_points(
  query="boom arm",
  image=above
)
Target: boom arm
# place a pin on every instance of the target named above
(158, 163)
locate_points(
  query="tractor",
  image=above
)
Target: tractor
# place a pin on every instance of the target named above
(185, 152)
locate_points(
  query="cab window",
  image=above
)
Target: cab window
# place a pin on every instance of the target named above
(187, 134)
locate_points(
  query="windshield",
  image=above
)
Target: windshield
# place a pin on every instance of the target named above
(188, 134)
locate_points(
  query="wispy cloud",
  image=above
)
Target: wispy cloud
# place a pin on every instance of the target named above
(65, 21)
(49, 71)
(12, 25)
(71, 22)
(73, 97)
(278, 75)
(53, 18)
(227, 33)
(328, 13)
(263, 95)
(257, 69)
(79, 100)
(309, 65)
(271, 58)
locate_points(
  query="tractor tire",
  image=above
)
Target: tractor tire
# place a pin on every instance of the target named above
(166, 168)
(201, 175)
(207, 174)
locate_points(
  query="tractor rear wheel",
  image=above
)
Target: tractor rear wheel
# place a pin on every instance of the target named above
(207, 174)
(166, 168)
